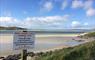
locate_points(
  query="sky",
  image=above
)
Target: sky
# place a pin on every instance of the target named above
(48, 14)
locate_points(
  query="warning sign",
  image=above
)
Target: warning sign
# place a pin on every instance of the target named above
(23, 40)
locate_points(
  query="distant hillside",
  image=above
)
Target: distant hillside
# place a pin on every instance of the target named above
(11, 28)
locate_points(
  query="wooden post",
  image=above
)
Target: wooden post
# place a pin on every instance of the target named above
(24, 54)
(24, 51)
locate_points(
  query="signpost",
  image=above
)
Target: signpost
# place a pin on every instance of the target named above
(23, 40)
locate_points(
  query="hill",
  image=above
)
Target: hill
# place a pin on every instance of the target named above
(11, 28)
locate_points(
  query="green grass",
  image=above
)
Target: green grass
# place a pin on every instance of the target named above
(88, 35)
(81, 52)
(91, 34)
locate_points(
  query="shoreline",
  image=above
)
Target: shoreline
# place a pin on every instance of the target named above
(48, 50)
(52, 49)
(50, 38)
(60, 47)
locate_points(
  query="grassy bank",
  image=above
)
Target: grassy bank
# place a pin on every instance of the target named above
(91, 34)
(88, 35)
(81, 52)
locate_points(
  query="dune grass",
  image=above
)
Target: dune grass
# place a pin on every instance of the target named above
(81, 52)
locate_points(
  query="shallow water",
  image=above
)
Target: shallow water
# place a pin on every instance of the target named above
(42, 42)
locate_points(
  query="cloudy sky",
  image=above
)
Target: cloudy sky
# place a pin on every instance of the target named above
(48, 14)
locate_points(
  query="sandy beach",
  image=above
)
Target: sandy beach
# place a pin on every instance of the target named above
(43, 42)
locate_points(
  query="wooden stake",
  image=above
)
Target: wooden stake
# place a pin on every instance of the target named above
(24, 54)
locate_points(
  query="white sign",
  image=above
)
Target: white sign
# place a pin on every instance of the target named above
(23, 40)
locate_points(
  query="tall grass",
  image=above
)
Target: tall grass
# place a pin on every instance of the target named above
(81, 52)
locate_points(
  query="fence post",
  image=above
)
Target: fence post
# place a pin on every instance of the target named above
(24, 54)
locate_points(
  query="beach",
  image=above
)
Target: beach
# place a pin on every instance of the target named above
(43, 42)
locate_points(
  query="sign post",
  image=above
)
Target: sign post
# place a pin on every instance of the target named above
(24, 54)
(23, 40)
